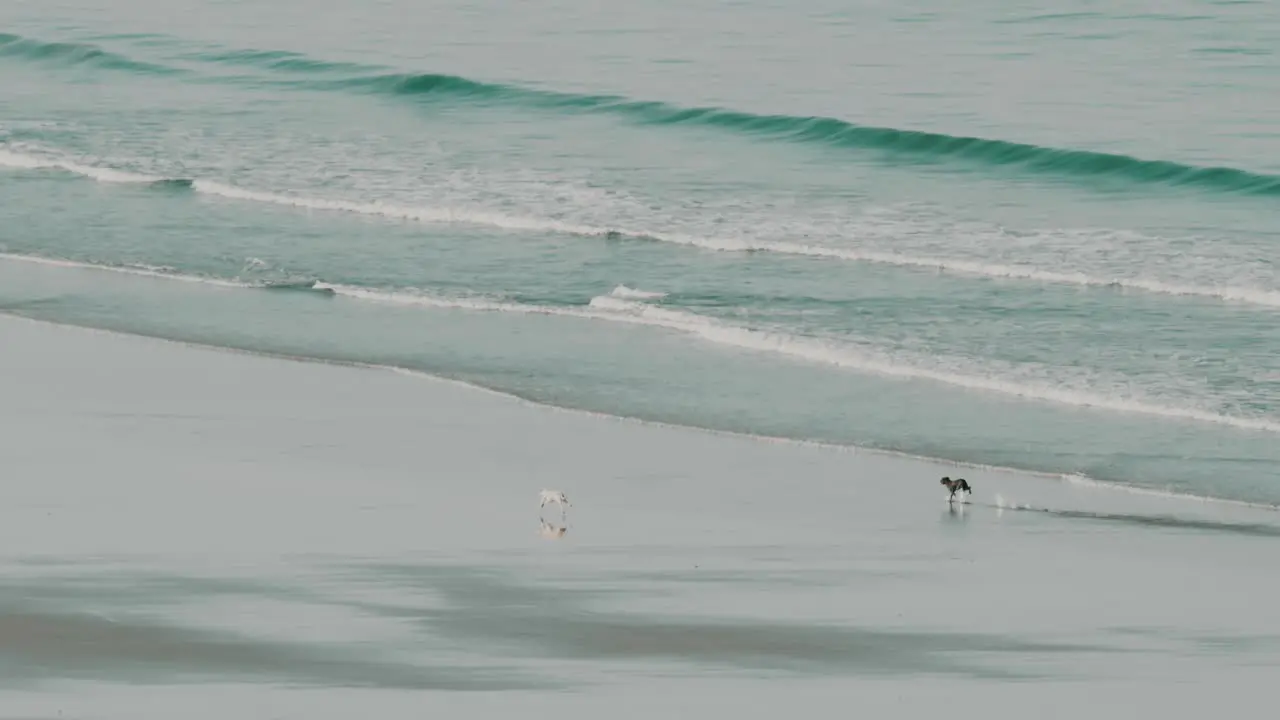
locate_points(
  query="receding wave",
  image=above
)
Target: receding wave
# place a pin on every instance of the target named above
(1086, 481)
(616, 309)
(612, 308)
(1171, 522)
(302, 285)
(142, 270)
(87, 54)
(309, 286)
(842, 355)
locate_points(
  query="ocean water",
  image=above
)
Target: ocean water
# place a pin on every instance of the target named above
(1009, 235)
(1006, 235)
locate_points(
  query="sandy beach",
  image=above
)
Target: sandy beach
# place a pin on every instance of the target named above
(208, 533)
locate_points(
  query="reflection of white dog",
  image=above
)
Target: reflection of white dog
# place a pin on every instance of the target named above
(554, 496)
(552, 531)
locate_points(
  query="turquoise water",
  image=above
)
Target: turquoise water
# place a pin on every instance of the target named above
(1006, 234)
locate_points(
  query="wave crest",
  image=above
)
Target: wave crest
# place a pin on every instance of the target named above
(834, 132)
(75, 54)
(826, 131)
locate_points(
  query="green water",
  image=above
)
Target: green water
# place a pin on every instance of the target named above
(1003, 234)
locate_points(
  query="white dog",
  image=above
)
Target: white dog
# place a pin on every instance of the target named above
(554, 496)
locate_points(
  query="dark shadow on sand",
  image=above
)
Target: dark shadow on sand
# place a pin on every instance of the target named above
(537, 621)
(84, 624)
(37, 645)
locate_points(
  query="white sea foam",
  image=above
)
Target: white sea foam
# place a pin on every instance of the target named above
(24, 161)
(626, 293)
(1258, 296)
(614, 309)
(1255, 296)
(445, 215)
(450, 215)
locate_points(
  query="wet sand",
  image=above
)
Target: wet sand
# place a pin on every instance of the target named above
(199, 533)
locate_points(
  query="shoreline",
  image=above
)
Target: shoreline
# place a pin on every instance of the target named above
(1069, 479)
(1032, 395)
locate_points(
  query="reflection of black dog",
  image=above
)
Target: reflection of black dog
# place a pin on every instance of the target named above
(956, 486)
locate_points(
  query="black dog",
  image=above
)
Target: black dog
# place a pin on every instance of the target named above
(956, 486)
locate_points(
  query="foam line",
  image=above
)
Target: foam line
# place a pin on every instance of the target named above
(482, 218)
(614, 309)
(402, 298)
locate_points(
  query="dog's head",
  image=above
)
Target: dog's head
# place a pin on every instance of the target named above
(945, 481)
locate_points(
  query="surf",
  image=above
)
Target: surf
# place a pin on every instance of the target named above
(30, 159)
(301, 72)
(70, 54)
(611, 307)
(605, 308)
